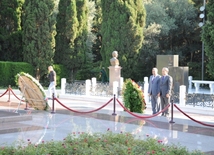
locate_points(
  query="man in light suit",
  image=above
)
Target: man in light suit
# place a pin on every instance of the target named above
(165, 90)
(154, 89)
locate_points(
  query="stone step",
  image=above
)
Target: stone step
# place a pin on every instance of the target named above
(13, 127)
(7, 116)
(11, 122)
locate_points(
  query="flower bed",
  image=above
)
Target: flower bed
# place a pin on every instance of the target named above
(99, 144)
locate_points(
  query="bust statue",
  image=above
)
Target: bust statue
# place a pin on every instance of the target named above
(114, 61)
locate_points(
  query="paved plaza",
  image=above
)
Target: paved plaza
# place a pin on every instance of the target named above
(19, 126)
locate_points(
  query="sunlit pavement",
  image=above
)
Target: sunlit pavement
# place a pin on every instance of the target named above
(41, 126)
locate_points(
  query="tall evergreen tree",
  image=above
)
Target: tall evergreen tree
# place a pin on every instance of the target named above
(96, 47)
(38, 34)
(122, 30)
(208, 36)
(71, 36)
(10, 30)
(80, 48)
(66, 28)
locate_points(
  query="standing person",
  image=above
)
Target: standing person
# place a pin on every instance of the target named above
(52, 85)
(154, 89)
(165, 90)
(104, 77)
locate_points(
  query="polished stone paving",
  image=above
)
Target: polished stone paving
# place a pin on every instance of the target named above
(45, 126)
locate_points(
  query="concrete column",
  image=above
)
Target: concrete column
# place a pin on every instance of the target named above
(63, 83)
(121, 82)
(190, 82)
(94, 81)
(146, 87)
(87, 87)
(182, 97)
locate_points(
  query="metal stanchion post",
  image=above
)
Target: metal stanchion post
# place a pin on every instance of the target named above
(53, 111)
(9, 93)
(171, 121)
(26, 108)
(114, 106)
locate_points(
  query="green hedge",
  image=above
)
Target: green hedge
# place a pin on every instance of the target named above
(8, 71)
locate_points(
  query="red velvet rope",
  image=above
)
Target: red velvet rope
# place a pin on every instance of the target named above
(139, 115)
(4, 93)
(16, 96)
(83, 112)
(193, 118)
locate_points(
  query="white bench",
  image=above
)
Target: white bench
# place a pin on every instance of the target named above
(198, 82)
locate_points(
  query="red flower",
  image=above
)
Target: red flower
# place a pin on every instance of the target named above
(160, 141)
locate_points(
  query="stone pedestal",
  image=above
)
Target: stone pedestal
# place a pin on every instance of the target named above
(114, 75)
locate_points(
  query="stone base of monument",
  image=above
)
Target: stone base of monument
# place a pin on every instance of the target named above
(114, 79)
(114, 75)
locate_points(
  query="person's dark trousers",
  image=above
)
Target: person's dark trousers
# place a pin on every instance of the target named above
(165, 102)
(155, 104)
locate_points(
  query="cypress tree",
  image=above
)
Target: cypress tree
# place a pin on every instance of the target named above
(10, 30)
(208, 36)
(38, 34)
(96, 47)
(122, 30)
(71, 35)
(66, 28)
(81, 50)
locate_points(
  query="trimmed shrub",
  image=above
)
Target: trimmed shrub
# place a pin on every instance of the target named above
(133, 96)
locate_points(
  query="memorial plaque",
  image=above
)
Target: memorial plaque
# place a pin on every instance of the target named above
(166, 61)
(180, 77)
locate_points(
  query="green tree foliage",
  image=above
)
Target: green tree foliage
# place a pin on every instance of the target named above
(72, 30)
(208, 36)
(96, 47)
(133, 97)
(66, 27)
(38, 34)
(122, 30)
(10, 30)
(171, 28)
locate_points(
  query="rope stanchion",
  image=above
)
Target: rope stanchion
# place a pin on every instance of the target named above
(171, 121)
(16, 96)
(139, 115)
(53, 109)
(4, 93)
(205, 124)
(26, 108)
(9, 89)
(114, 106)
(83, 112)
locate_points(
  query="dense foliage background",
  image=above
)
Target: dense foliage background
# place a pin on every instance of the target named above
(82, 34)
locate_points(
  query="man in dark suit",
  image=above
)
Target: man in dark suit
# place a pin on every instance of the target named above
(154, 89)
(165, 90)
